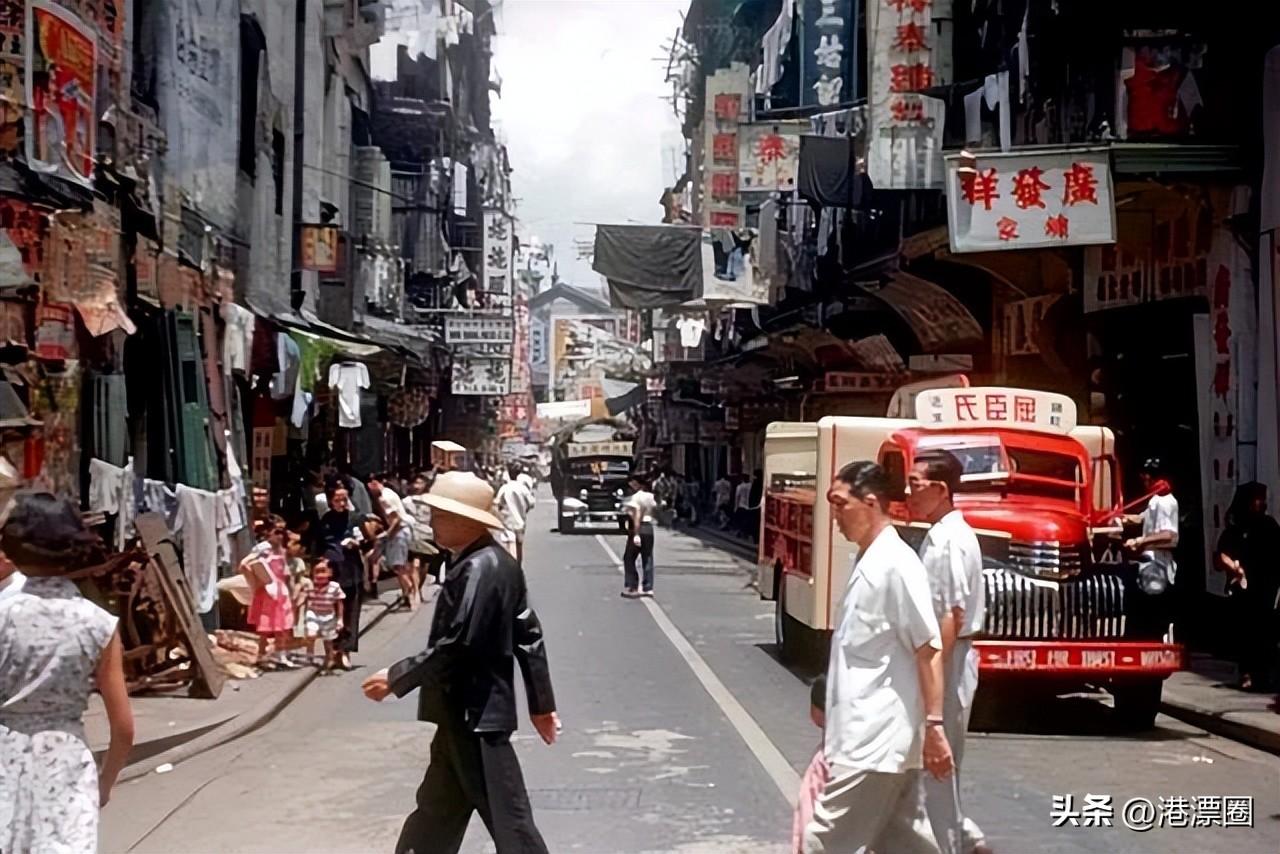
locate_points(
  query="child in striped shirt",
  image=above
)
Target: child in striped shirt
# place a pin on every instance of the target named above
(324, 613)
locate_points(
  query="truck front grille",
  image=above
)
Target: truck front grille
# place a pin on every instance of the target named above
(1045, 559)
(1023, 608)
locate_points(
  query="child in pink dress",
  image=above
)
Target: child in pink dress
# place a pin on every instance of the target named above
(271, 611)
(815, 776)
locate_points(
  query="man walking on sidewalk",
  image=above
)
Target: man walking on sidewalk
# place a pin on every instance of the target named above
(482, 626)
(953, 562)
(514, 504)
(884, 686)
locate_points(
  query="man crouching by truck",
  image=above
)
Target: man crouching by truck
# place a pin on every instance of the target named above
(953, 563)
(884, 686)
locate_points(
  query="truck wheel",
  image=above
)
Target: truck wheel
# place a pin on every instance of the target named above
(566, 525)
(1137, 704)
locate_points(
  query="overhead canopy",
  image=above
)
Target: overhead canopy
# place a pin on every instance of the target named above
(940, 322)
(649, 266)
(621, 395)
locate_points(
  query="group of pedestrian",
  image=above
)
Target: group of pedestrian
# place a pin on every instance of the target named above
(902, 674)
(737, 504)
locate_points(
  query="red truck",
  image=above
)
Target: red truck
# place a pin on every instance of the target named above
(1043, 495)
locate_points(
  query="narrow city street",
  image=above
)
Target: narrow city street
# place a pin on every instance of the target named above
(683, 733)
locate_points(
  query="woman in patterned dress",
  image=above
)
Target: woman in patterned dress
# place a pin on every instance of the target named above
(53, 642)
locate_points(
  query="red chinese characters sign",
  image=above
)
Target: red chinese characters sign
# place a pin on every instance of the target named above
(1030, 200)
(906, 126)
(989, 408)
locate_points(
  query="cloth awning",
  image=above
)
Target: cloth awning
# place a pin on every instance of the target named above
(649, 266)
(940, 322)
(621, 395)
(828, 174)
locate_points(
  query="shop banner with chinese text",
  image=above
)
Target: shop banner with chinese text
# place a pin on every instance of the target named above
(1029, 200)
(481, 376)
(905, 143)
(498, 257)
(830, 52)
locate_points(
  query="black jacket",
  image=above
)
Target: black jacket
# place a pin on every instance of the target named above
(482, 625)
(331, 530)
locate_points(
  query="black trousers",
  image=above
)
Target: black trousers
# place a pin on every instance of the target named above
(349, 637)
(469, 772)
(631, 579)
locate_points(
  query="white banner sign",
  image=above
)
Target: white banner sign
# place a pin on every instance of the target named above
(1030, 200)
(905, 142)
(475, 376)
(565, 409)
(472, 330)
(987, 408)
(768, 156)
(498, 255)
(598, 449)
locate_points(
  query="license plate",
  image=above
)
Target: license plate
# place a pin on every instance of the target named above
(597, 524)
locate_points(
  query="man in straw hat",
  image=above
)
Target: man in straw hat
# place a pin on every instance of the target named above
(482, 625)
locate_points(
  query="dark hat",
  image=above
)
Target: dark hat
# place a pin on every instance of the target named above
(44, 529)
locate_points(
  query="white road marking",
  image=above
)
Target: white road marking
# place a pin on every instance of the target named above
(764, 750)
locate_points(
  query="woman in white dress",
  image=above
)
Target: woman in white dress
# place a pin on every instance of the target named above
(53, 642)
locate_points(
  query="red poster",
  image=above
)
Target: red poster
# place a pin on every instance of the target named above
(62, 58)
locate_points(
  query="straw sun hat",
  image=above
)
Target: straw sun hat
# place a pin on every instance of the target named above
(463, 494)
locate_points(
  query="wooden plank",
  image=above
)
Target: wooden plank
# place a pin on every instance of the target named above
(208, 678)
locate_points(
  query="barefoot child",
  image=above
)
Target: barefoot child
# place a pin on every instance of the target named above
(815, 776)
(324, 614)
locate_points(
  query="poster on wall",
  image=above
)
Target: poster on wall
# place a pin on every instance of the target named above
(319, 248)
(498, 257)
(768, 156)
(61, 79)
(1030, 200)
(905, 143)
(479, 376)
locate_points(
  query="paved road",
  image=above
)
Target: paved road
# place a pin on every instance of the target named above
(682, 734)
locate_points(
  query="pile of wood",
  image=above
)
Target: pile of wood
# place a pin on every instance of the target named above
(236, 653)
(165, 645)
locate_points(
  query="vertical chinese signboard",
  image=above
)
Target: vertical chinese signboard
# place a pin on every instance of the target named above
(830, 52)
(726, 104)
(905, 151)
(498, 256)
(61, 80)
(1030, 200)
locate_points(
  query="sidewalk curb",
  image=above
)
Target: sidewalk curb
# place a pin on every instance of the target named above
(242, 724)
(711, 537)
(1224, 724)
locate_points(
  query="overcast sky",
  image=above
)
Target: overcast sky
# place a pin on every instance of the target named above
(583, 115)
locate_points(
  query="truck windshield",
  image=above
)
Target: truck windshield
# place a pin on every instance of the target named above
(598, 468)
(987, 460)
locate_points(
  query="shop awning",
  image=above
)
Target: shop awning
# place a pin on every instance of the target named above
(939, 321)
(649, 266)
(621, 395)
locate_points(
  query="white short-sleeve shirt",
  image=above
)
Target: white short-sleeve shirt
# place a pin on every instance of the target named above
(875, 709)
(952, 560)
(1162, 515)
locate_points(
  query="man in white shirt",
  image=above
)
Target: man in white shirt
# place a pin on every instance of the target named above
(884, 686)
(1159, 538)
(514, 501)
(953, 563)
(395, 539)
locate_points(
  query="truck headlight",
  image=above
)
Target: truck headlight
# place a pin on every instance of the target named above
(573, 504)
(582, 493)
